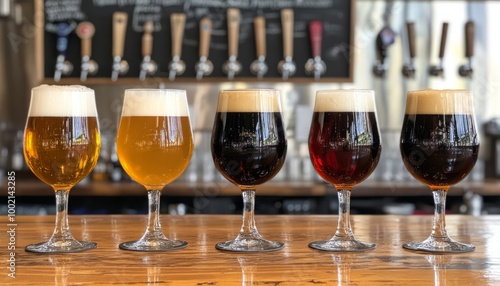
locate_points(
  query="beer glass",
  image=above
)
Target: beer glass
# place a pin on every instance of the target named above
(344, 147)
(439, 146)
(61, 147)
(249, 148)
(154, 145)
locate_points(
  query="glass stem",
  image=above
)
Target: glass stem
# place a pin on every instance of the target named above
(248, 227)
(344, 230)
(153, 230)
(61, 231)
(439, 224)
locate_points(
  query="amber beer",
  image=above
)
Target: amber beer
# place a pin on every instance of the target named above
(344, 148)
(62, 141)
(344, 141)
(248, 140)
(154, 141)
(439, 143)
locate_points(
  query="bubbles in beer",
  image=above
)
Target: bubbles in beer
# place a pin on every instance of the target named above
(446, 101)
(62, 101)
(344, 100)
(155, 102)
(246, 101)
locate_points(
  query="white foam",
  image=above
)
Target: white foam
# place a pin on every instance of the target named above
(155, 102)
(62, 101)
(249, 100)
(447, 101)
(345, 100)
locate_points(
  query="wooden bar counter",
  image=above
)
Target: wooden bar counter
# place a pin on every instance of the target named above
(201, 264)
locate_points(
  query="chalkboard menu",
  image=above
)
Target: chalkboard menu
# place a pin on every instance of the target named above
(336, 17)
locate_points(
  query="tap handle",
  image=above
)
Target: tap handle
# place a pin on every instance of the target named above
(259, 24)
(147, 39)
(177, 22)
(85, 31)
(287, 27)
(119, 31)
(469, 39)
(233, 26)
(315, 33)
(444, 34)
(410, 27)
(63, 30)
(385, 38)
(205, 33)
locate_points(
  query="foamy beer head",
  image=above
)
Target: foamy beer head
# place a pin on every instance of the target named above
(345, 101)
(155, 102)
(448, 101)
(249, 100)
(62, 101)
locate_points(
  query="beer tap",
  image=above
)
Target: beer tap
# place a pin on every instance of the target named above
(385, 38)
(315, 65)
(466, 70)
(176, 65)
(409, 68)
(437, 70)
(204, 66)
(120, 67)
(148, 66)
(62, 30)
(85, 31)
(232, 66)
(286, 67)
(259, 67)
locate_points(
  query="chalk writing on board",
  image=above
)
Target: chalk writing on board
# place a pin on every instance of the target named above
(62, 10)
(164, 3)
(143, 13)
(242, 4)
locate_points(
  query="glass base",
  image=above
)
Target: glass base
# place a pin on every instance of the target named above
(342, 245)
(65, 246)
(443, 245)
(250, 245)
(153, 245)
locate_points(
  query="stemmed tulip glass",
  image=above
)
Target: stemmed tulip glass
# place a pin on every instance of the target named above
(154, 145)
(344, 147)
(249, 148)
(439, 145)
(61, 147)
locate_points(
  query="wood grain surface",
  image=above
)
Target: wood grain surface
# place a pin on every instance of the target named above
(201, 264)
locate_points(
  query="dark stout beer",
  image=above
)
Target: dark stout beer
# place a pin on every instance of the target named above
(439, 146)
(248, 148)
(439, 149)
(248, 139)
(439, 143)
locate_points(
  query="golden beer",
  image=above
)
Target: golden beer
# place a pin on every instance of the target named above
(154, 144)
(61, 147)
(154, 141)
(61, 151)
(154, 150)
